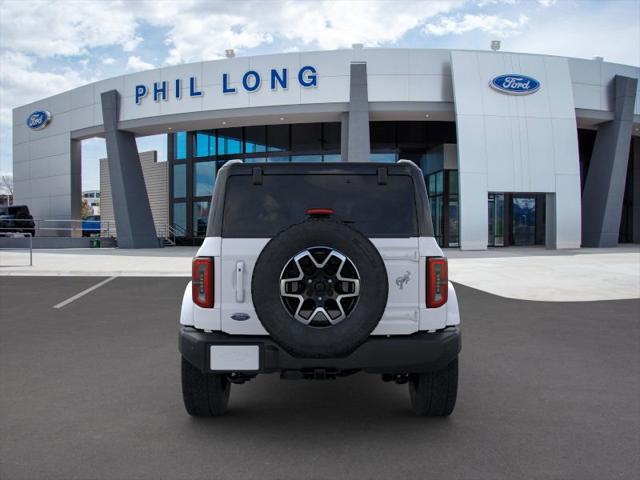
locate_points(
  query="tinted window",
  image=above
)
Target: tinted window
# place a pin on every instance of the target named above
(204, 176)
(230, 141)
(205, 144)
(255, 139)
(180, 216)
(180, 146)
(281, 200)
(200, 218)
(332, 136)
(179, 181)
(278, 137)
(306, 137)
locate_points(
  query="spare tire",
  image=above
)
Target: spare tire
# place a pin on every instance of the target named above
(319, 288)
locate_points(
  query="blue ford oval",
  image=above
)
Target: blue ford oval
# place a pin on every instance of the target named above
(515, 84)
(38, 119)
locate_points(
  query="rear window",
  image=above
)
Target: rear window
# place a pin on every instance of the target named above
(264, 210)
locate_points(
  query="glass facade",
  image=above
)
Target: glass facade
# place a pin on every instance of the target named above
(516, 219)
(196, 156)
(442, 187)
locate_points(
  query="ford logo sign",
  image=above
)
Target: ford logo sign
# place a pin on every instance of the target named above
(38, 120)
(240, 317)
(515, 84)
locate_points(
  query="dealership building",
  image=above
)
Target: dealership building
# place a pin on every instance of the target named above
(516, 149)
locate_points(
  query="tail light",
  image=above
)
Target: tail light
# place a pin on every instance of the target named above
(202, 282)
(437, 282)
(319, 212)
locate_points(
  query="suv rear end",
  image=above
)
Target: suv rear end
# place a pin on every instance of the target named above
(319, 271)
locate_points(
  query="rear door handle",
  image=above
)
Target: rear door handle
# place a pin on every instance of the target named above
(240, 282)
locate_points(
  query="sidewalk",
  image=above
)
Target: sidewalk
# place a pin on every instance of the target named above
(530, 273)
(103, 262)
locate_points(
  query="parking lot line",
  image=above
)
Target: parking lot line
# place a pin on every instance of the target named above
(84, 292)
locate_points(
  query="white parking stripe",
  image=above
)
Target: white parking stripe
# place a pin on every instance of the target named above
(83, 293)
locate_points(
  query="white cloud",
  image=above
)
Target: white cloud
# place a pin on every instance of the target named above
(47, 29)
(203, 30)
(547, 3)
(22, 83)
(108, 61)
(583, 34)
(135, 64)
(491, 24)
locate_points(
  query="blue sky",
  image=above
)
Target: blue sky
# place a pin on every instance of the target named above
(47, 47)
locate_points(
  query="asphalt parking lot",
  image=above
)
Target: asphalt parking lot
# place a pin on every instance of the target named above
(91, 391)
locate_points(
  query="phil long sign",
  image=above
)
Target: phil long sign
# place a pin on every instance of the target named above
(515, 84)
(251, 81)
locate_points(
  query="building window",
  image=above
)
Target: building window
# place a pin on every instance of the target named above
(442, 187)
(255, 139)
(205, 144)
(278, 159)
(179, 180)
(383, 157)
(180, 150)
(230, 141)
(200, 218)
(204, 177)
(180, 216)
(332, 157)
(205, 151)
(278, 138)
(306, 137)
(331, 137)
(306, 158)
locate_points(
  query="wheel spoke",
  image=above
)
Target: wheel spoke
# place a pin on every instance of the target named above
(317, 283)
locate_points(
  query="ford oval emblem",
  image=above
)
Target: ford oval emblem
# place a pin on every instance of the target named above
(240, 317)
(38, 120)
(515, 84)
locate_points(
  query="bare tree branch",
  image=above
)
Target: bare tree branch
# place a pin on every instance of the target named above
(6, 184)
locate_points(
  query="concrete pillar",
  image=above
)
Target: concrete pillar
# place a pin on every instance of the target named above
(358, 144)
(636, 190)
(344, 136)
(550, 234)
(75, 156)
(131, 209)
(604, 187)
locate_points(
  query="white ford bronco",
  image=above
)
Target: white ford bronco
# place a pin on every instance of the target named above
(318, 271)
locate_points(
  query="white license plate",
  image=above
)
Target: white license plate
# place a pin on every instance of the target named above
(235, 357)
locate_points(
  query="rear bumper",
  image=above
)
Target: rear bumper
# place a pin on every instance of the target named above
(420, 352)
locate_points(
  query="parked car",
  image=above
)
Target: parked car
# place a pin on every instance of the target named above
(315, 272)
(16, 219)
(91, 225)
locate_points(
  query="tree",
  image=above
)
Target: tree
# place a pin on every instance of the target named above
(6, 184)
(86, 209)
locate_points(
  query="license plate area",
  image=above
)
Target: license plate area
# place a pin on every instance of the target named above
(234, 358)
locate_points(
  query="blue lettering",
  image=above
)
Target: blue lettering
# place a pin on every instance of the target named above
(192, 88)
(310, 80)
(256, 81)
(275, 77)
(141, 92)
(225, 84)
(178, 88)
(157, 90)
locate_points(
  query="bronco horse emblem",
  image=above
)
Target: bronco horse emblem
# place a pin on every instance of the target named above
(402, 280)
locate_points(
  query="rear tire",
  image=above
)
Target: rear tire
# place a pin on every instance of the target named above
(433, 394)
(204, 394)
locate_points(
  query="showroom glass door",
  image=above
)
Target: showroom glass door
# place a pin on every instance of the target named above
(496, 219)
(523, 214)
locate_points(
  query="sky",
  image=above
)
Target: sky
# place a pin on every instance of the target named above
(47, 47)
